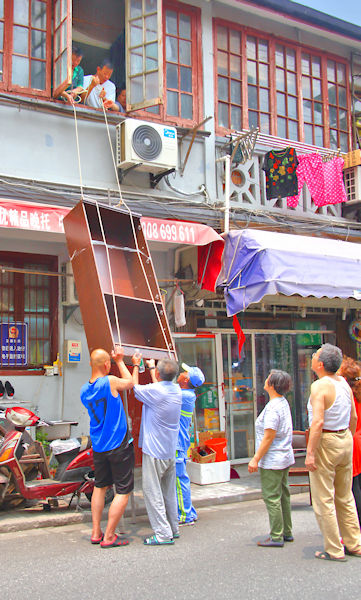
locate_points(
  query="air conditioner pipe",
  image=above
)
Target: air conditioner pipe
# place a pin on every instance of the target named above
(227, 180)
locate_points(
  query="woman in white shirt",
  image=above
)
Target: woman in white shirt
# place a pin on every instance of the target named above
(274, 456)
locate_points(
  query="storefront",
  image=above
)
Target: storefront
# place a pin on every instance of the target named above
(233, 395)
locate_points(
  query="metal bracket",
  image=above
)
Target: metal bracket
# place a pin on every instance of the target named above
(69, 311)
(123, 172)
(155, 179)
(192, 131)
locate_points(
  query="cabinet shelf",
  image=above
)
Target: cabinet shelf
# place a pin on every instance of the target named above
(105, 260)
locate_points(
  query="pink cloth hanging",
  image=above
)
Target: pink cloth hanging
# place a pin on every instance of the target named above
(334, 186)
(310, 170)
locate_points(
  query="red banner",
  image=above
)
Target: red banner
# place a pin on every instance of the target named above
(47, 217)
(31, 216)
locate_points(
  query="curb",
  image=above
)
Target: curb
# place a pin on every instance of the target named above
(18, 521)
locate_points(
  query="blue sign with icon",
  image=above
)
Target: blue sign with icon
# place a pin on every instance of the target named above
(14, 344)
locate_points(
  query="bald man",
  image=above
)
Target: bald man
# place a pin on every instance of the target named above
(112, 447)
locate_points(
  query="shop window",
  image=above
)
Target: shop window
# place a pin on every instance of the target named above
(285, 90)
(27, 296)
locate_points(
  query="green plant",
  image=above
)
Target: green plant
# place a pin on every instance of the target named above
(42, 437)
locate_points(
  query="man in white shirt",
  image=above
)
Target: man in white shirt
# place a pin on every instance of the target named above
(162, 401)
(100, 89)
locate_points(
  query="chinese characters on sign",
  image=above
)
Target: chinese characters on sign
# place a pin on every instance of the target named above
(25, 215)
(14, 344)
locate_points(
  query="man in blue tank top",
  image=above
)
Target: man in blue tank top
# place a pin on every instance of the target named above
(113, 451)
(189, 380)
(332, 418)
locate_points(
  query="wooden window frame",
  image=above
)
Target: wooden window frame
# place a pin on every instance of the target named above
(197, 85)
(6, 84)
(19, 259)
(298, 48)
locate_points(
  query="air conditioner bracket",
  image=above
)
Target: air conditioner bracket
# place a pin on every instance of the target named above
(123, 172)
(155, 179)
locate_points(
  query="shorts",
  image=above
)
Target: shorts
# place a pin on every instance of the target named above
(115, 467)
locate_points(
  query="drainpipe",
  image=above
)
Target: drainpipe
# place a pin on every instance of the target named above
(227, 180)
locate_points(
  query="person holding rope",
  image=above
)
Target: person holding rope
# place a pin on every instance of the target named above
(162, 401)
(99, 89)
(112, 448)
(189, 380)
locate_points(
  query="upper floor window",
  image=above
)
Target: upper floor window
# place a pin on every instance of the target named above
(285, 90)
(25, 30)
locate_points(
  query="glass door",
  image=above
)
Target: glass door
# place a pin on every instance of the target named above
(200, 351)
(238, 390)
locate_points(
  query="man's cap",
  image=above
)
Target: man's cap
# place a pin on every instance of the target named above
(196, 376)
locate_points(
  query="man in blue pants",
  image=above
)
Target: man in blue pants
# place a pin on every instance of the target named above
(191, 378)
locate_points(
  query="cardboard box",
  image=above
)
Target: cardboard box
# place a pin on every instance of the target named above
(352, 159)
(206, 473)
(211, 418)
(198, 458)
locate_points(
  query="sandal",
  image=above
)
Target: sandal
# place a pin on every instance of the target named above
(349, 553)
(97, 540)
(117, 541)
(153, 541)
(327, 556)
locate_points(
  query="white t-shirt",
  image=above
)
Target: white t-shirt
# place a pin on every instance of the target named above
(93, 98)
(276, 415)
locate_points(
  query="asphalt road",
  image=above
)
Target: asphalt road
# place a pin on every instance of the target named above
(214, 560)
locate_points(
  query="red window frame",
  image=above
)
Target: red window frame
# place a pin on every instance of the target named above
(21, 291)
(159, 113)
(299, 50)
(287, 92)
(6, 83)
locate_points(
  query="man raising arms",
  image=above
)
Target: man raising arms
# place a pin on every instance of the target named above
(113, 450)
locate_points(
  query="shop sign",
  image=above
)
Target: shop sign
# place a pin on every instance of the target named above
(14, 344)
(34, 217)
(178, 232)
(355, 330)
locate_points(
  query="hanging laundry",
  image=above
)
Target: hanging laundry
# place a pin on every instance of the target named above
(280, 168)
(334, 185)
(309, 170)
(324, 180)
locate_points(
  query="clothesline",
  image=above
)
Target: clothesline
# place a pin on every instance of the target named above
(269, 141)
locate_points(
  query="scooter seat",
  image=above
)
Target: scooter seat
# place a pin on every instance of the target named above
(38, 482)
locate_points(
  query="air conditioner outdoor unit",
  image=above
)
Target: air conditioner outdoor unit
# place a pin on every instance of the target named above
(69, 295)
(352, 179)
(152, 146)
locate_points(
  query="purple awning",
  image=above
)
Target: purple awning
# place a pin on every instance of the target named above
(257, 263)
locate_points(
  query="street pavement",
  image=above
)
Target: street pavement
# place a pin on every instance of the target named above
(214, 560)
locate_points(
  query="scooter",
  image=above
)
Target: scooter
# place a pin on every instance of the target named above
(74, 474)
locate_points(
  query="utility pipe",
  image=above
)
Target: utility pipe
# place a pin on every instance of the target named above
(227, 180)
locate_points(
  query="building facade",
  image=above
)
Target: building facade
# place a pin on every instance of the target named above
(213, 71)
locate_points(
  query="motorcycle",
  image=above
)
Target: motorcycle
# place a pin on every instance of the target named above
(74, 474)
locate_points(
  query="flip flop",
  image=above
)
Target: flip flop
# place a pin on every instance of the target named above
(116, 543)
(153, 541)
(97, 540)
(349, 553)
(327, 556)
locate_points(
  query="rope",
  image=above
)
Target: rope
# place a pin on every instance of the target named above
(78, 151)
(121, 201)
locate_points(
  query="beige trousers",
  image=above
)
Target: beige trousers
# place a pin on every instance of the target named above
(332, 498)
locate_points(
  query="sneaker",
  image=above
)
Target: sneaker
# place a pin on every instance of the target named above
(270, 543)
(2, 389)
(175, 536)
(288, 538)
(186, 523)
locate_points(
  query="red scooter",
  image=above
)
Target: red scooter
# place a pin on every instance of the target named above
(74, 474)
